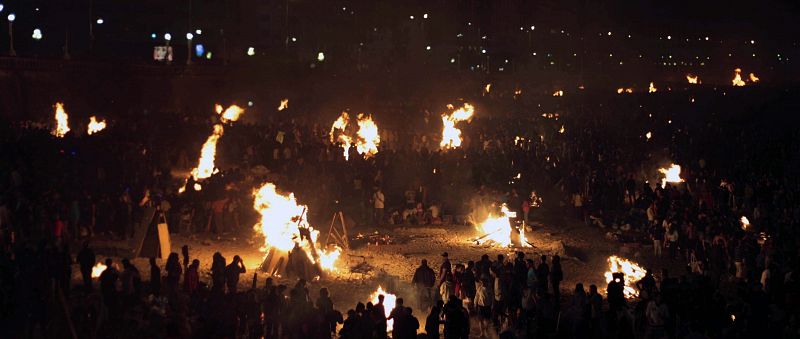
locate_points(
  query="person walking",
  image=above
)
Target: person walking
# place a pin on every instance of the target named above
(378, 204)
(423, 280)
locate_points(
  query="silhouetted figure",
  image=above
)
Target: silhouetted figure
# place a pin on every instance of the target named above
(86, 260)
(556, 276)
(155, 277)
(232, 273)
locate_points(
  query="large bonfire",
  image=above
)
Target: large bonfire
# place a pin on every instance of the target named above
(285, 228)
(451, 136)
(497, 229)
(671, 174)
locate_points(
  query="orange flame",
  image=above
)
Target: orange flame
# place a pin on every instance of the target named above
(558, 93)
(367, 137)
(98, 269)
(737, 78)
(671, 174)
(652, 88)
(498, 228)
(230, 114)
(95, 126)
(62, 121)
(281, 223)
(632, 271)
(389, 303)
(745, 223)
(692, 79)
(284, 105)
(205, 165)
(338, 133)
(754, 78)
(451, 136)
(624, 90)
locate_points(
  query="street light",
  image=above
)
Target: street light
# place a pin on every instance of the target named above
(37, 34)
(100, 21)
(1, 7)
(11, 17)
(189, 37)
(168, 38)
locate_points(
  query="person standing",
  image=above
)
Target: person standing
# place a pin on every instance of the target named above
(556, 276)
(658, 240)
(483, 302)
(232, 273)
(86, 259)
(378, 204)
(423, 280)
(191, 279)
(542, 274)
(155, 277)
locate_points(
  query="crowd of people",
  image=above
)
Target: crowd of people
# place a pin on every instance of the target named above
(594, 159)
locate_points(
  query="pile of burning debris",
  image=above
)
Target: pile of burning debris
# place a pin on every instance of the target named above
(376, 239)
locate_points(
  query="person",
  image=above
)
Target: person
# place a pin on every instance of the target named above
(108, 286)
(446, 288)
(232, 273)
(131, 280)
(325, 306)
(656, 313)
(155, 277)
(411, 325)
(556, 276)
(378, 201)
(658, 240)
(86, 259)
(542, 273)
(191, 279)
(445, 268)
(423, 280)
(432, 323)
(456, 325)
(174, 270)
(483, 303)
(218, 273)
(379, 317)
(595, 301)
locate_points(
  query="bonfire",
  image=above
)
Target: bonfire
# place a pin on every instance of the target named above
(631, 270)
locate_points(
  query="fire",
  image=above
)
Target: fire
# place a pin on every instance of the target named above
(671, 174)
(737, 78)
(451, 136)
(558, 93)
(498, 228)
(624, 90)
(745, 223)
(205, 165)
(562, 130)
(98, 269)
(62, 124)
(754, 78)
(389, 302)
(522, 239)
(648, 135)
(692, 79)
(632, 271)
(283, 224)
(284, 105)
(652, 88)
(340, 125)
(487, 88)
(367, 137)
(230, 114)
(95, 126)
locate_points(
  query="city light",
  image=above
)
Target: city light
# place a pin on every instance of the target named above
(320, 57)
(251, 51)
(189, 36)
(167, 36)
(411, 17)
(37, 34)
(1, 7)
(100, 21)
(199, 50)
(153, 36)
(198, 31)
(11, 17)
(428, 48)
(425, 16)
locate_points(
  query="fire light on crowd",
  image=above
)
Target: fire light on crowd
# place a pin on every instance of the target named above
(95, 126)
(451, 136)
(62, 121)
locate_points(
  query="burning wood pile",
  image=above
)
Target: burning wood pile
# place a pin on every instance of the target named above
(62, 121)
(98, 269)
(289, 240)
(671, 175)
(498, 229)
(205, 164)
(631, 272)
